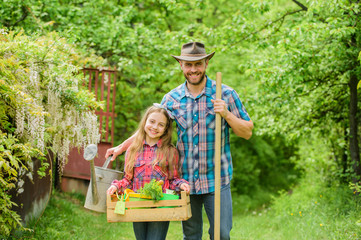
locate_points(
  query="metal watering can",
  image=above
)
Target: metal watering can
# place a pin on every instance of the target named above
(101, 178)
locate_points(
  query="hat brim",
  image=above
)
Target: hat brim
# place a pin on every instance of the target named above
(193, 59)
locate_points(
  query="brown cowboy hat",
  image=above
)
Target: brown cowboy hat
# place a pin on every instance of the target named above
(193, 51)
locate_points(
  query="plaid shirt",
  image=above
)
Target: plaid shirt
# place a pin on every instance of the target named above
(195, 120)
(144, 172)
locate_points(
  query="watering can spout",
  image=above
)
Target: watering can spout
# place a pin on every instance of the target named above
(89, 154)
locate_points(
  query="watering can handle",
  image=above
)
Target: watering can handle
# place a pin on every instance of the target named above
(106, 163)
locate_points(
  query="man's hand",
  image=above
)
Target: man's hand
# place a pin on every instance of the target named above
(220, 107)
(115, 151)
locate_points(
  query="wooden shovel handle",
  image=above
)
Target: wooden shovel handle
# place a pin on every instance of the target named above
(217, 159)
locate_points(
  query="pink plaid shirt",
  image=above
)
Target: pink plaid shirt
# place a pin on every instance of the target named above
(144, 172)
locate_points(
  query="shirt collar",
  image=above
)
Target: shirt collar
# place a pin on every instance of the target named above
(158, 144)
(208, 88)
(206, 91)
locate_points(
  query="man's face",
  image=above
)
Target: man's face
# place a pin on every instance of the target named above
(195, 71)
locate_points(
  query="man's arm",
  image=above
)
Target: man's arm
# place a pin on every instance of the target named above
(240, 127)
(115, 151)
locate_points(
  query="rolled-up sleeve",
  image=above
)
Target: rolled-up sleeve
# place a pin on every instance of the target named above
(126, 182)
(176, 181)
(236, 107)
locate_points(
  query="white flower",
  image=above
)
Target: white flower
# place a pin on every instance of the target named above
(20, 120)
(34, 76)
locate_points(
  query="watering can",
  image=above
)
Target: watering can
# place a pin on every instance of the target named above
(101, 178)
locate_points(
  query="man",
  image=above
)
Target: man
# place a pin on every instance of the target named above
(193, 106)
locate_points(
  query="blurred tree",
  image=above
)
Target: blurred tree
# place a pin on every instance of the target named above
(306, 60)
(257, 50)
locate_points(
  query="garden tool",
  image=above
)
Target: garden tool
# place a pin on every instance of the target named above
(100, 180)
(217, 159)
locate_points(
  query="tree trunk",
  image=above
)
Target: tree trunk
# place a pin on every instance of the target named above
(354, 148)
(344, 158)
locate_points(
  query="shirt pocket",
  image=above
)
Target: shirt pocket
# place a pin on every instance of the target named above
(180, 114)
(210, 116)
(139, 169)
(158, 173)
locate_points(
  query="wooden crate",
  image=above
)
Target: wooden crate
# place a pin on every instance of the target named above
(180, 210)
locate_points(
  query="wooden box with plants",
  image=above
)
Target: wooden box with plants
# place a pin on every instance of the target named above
(149, 205)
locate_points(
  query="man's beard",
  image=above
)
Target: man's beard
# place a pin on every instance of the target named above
(195, 83)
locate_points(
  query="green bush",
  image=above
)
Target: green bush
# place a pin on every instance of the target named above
(263, 163)
(13, 156)
(43, 107)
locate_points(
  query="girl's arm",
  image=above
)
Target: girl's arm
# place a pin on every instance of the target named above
(177, 183)
(126, 182)
(122, 184)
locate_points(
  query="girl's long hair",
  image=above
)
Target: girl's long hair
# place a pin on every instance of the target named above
(164, 152)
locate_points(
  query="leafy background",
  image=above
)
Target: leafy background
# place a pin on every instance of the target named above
(295, 65)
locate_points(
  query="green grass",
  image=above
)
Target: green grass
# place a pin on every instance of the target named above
(66, 218)
(313, 211)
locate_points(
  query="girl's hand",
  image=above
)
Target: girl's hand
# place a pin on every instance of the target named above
(185, 187)
(111, 190)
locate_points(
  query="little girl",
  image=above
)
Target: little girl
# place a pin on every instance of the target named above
(151, 156)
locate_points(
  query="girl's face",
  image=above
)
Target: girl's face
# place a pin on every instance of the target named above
(155, 127)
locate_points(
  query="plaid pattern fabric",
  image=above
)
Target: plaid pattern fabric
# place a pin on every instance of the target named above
(195, 120)
(144, 172)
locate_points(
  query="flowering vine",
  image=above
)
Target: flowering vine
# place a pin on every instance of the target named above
(42, 106)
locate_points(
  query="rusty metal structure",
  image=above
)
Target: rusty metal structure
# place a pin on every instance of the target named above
(32, 195)
(103, 90)
(102, 82)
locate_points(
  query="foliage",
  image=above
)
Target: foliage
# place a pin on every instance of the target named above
(306, 65)
(313, 64)
(13, 157)
(315, 205)
(65, 218)
(320, 211)
(152, 189)
(43, 107)
(318, 207)
(42, 94)
(139, 39)
(293, 63)
(314, 210)
(264, 164)
(355, 187)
